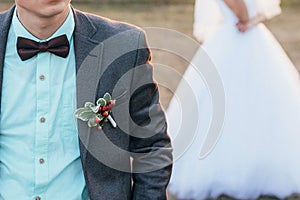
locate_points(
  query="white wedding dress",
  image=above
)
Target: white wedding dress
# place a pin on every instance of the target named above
(258, 152)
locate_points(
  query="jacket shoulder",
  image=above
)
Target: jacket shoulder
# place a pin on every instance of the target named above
(106, 27)
(5, 16)
(4, 13)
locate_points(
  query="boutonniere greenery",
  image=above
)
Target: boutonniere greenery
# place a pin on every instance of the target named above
(97, 114)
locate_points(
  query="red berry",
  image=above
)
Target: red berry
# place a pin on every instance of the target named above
(108, 108)
(104, 108)
(105, 114)
(99, 128)
(113, 102)
(100, 109)
(97, 120)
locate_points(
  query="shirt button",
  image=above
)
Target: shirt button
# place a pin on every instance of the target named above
(42, 77)
(42, 119)
(37, 198)
(42, 161)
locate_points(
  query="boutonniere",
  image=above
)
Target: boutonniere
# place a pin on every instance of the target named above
(99, 114)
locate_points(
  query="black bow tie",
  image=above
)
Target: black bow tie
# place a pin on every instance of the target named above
(28, 48)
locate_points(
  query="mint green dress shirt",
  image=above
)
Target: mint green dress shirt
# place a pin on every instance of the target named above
(39, 149)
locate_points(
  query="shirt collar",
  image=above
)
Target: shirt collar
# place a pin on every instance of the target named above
(66, 28)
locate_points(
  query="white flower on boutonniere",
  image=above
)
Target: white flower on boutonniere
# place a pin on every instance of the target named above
(97, 115)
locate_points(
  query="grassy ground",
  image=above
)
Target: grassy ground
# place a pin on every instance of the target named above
(285, 27)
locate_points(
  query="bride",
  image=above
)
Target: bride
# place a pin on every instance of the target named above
(257, 152)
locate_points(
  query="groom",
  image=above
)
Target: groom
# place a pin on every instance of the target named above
(54, 59)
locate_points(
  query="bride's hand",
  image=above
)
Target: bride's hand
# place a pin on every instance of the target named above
(244, 26)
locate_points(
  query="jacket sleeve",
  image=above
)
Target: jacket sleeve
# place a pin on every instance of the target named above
(149, 142)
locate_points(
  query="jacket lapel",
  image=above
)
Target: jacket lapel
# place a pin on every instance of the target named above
(87, 81)
(88, 54)
(5, 19)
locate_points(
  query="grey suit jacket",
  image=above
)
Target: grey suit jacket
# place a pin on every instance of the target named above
(132, 161)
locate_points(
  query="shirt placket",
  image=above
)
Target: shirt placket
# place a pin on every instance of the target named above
(42, 125)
